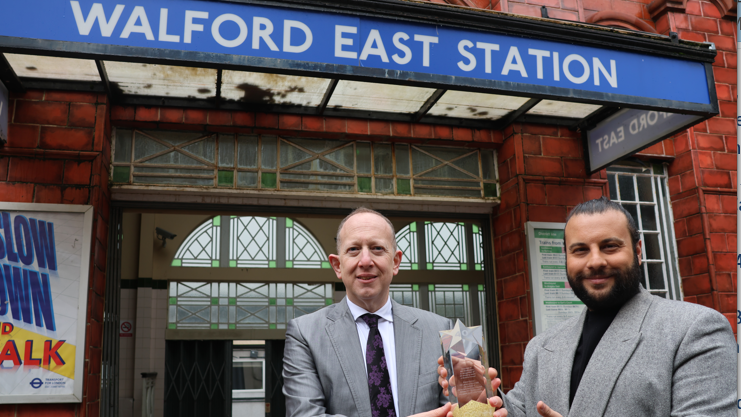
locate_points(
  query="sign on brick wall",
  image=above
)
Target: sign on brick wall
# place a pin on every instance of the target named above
(324, 42)
(628, 131)
(44, 267)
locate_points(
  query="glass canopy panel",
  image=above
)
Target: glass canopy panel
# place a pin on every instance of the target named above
(475, 105)
(563, 109)
(35, 66)
(258, 88)
(378, 97)
(161, 80)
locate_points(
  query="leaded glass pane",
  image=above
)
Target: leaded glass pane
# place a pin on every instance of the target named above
(220, 305)
(445, 245)
(302, 249)
(478, 248)
(201, 247)
(451, 301)
(405, 294)
(266, 162)
(406, 241)
(252, 241)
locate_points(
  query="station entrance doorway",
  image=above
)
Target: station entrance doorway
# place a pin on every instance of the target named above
(210, 290)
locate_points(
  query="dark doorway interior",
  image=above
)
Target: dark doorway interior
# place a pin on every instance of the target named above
(198, 378)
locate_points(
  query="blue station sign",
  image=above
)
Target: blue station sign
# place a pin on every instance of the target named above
(629, 131)
(329, 42)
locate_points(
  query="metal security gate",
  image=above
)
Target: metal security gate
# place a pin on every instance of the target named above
(110, 351)
(275, 401)
(198, 378)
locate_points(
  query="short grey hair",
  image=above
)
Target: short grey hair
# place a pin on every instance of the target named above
(361, 210)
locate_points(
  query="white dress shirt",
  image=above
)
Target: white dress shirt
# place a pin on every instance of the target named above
(386, 329)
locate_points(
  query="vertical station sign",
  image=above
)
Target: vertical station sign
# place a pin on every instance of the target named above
(44, 267)
(553, 299)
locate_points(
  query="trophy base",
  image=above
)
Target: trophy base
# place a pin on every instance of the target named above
(473, 409)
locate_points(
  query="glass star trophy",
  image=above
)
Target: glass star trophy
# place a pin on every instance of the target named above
(469, 385)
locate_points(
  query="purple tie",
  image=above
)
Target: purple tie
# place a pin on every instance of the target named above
(379, 382)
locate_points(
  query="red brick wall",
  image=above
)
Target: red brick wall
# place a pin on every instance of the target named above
(58, 151)
(295, 125)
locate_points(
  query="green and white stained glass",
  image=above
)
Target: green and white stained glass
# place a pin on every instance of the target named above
(302, 249)
(252, 242)
(406, 241)
(478, 249)
(229, 305)
(445, 245)
(278, 163)
(451, 301)
(405, 294)
(201, 248)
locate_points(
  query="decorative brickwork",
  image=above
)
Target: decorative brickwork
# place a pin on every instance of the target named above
(58, 152)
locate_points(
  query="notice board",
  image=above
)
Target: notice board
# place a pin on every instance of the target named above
(553, 299)
(44, 267)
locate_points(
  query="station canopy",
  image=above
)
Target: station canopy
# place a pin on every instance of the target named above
(383, 59)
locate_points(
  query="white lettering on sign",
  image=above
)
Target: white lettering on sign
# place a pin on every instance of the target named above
(426, 41)
(407, 52)
(635, 126)
(191, 27)
(462, 45)
(231, 18)
(288, 25)
(163, 29)
(262, 28)
(577, 68)
(374, 38)
(131, 27)
(339, 41)
(85, 25)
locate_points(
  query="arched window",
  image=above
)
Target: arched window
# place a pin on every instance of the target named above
(251, 242)
(441, 246)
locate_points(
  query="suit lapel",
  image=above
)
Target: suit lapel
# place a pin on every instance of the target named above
(609, 358)
(408, 341)
(343, 334)
(554, 368)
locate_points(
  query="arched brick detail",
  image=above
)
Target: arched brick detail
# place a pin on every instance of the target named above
(613, 18)
(657, 8)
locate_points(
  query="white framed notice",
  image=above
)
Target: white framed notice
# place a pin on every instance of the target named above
(44, 269)
(553, 299)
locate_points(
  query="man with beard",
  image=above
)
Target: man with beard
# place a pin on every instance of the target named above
(629, 353)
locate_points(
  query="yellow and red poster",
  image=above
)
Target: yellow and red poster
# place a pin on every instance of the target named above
(44, 262)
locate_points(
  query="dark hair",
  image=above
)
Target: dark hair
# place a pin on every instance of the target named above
(602, 205)
(361, 210)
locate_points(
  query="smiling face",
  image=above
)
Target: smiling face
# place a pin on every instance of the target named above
(602, 267)
(367, 260)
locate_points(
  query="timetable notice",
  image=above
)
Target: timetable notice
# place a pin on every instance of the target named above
(558, 301)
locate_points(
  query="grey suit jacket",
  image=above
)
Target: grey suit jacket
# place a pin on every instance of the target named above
(324, 369)
(657, 358)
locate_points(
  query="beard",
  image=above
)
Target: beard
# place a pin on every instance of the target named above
(626, 284)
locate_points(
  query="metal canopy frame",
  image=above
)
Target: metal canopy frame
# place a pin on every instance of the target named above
(411, 11)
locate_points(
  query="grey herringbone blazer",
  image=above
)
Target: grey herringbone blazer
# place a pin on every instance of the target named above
(324, 369)
(658, 358)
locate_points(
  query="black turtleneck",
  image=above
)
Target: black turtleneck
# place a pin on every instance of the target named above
(595, 326)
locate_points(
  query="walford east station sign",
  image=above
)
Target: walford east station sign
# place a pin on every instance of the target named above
(479, 52)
